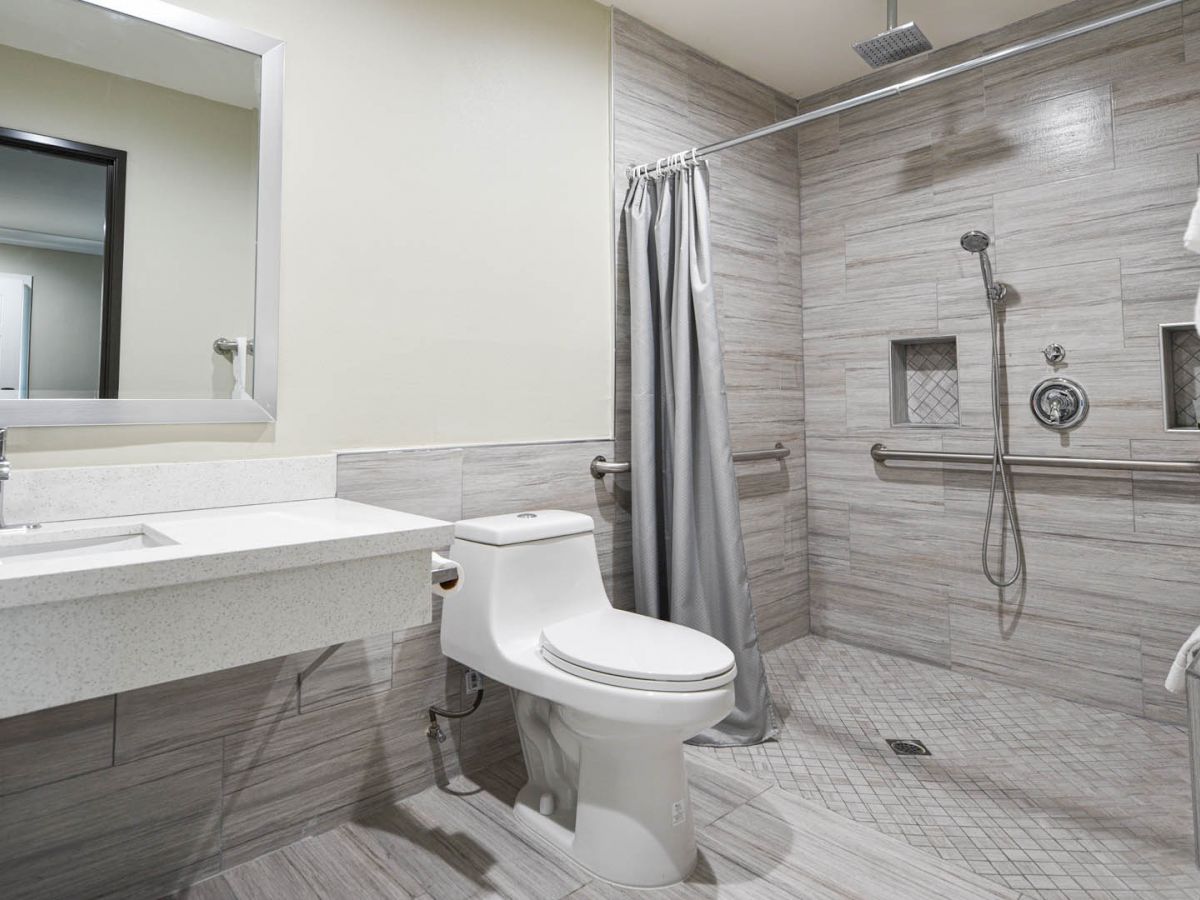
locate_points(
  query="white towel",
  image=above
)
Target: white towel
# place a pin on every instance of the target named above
(1191, 240)
(239, 369)
(1177, 677)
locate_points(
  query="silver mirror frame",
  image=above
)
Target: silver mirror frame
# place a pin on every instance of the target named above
(262, 407)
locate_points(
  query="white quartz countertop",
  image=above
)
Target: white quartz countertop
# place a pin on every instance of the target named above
(202, 545)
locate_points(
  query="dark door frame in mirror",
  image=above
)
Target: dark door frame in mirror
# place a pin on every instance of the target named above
(114, 238)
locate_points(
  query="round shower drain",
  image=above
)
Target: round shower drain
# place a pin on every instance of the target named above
(907, 747)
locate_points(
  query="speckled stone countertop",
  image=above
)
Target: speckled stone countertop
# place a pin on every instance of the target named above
(204, 545)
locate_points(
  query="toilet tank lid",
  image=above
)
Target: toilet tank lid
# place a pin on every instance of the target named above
(522, 527)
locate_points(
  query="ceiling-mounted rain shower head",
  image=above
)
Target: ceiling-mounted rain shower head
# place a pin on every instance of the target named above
(893, 45)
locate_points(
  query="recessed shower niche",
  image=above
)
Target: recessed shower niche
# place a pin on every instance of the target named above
(1180, 348)
(924, 382)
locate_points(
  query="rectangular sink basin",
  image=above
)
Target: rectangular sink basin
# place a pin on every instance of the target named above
(37, 545)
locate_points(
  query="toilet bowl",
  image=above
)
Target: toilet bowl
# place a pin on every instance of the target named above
(604, 699)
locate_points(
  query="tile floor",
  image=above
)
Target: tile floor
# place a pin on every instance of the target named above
(1026, 797)
(1051, 798)
(757, 842)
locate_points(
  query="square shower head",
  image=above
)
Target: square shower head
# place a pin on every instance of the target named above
(893, 45)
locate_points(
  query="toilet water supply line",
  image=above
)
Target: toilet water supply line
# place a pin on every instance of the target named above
(447, 578)
(435, 730)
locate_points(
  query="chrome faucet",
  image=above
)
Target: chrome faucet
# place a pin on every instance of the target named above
(5, 471)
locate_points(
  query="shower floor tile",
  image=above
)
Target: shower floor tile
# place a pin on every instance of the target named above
(1047, 797)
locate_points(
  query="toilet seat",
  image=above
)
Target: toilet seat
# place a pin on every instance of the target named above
(633, 651)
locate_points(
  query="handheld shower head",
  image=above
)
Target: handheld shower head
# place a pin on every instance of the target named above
(975, 242)
(978, 242)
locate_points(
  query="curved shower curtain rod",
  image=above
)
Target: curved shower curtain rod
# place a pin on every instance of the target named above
(894, 90)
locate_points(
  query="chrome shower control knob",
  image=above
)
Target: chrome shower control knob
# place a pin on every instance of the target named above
(1054, 353)
(1058, 403)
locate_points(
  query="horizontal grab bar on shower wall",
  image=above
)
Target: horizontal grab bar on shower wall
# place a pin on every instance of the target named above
(601, 466)
(880, 453)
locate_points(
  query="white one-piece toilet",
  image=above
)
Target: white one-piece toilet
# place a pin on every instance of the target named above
(604, 699)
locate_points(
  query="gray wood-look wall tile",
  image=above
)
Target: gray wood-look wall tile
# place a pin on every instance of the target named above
(1148, 43)
(343, 672)
(57, 743)
(1135, 213)
(653, 87)
(1036, 642)
(1099, 504)
(1160, 640)
(1028, 144)
(1191, 30)
(107, 832)
(490, 733)
(818, 138)
(417, 653)
(178, 713)
(1079, 306)
(887, 129)
(922, 249)
(422, 482)
(1154, 114)
(900, 179)
(295, 778)
(1157, 298)
(870, 310)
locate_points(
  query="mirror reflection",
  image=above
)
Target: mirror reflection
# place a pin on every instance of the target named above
(128, 192)
(54, 222)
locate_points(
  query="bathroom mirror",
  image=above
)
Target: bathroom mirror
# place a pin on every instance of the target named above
(139, 215)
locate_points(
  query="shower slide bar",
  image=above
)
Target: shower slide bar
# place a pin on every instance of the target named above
(895, 90)
(601, 466)
(881, 454)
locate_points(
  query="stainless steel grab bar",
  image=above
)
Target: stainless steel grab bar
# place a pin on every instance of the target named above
(880, 453)
(228, 345)
(601, 466)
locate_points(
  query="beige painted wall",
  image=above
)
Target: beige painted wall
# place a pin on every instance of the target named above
(64, 340)
(446, 248)
(190, 213)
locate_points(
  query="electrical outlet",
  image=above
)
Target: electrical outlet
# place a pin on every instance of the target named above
(472, 681)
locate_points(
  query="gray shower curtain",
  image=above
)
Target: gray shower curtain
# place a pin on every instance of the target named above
(688, 559)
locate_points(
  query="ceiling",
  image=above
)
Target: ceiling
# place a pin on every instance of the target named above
(801, 47)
